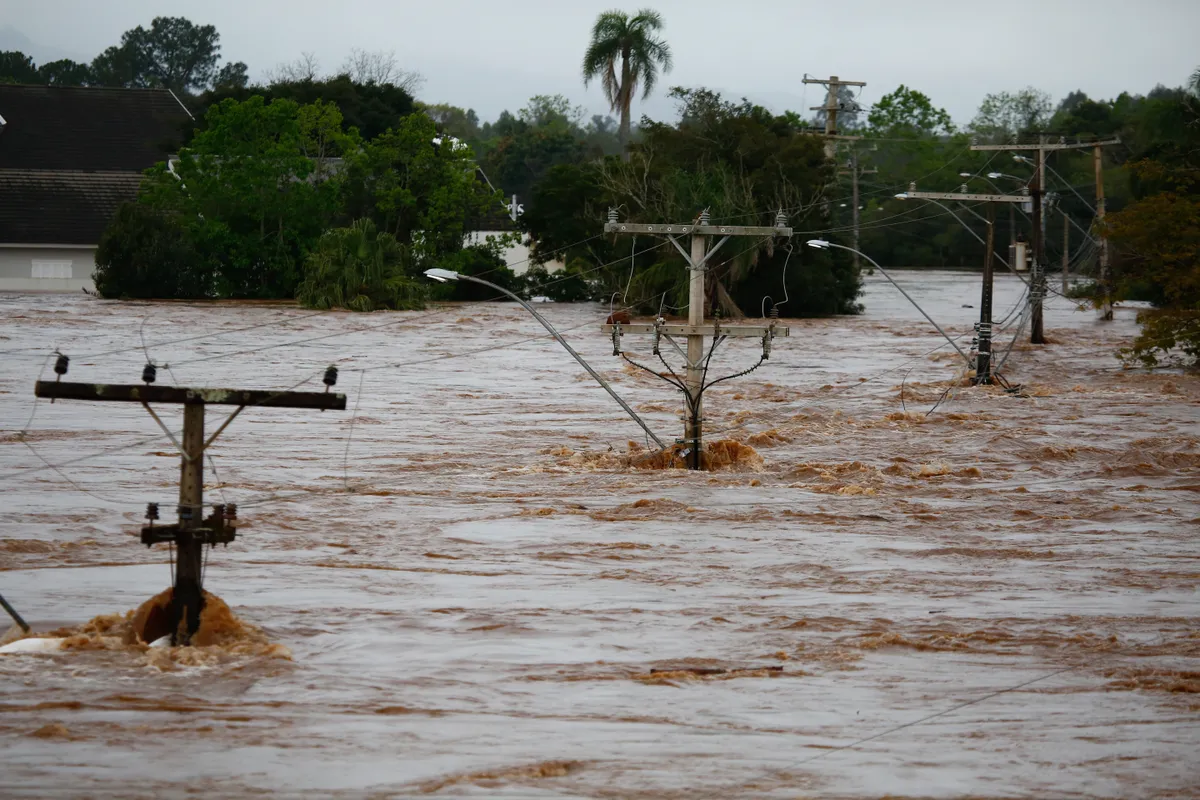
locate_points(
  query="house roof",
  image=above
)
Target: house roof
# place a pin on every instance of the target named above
(76, 128)
(61, 206)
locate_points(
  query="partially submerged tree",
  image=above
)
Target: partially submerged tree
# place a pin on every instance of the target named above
(625, 53)
(360, 269)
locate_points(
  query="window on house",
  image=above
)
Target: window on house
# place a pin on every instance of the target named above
(51, 269)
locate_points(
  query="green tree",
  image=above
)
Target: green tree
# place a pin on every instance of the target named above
(1005, 114)
(458, 122)
(175, 53)
(624, 53)
(421, 193)
(232, 76)
(370, 108)
(360, 269)
(147, 252)
(65, 72)
(907, 112)
(255, 189)
(16, 67)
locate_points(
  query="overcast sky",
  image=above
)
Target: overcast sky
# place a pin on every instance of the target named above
(493, 54)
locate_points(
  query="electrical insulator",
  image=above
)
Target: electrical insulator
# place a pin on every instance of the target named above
(231, 511)
(149, 373)
(774, 312)
(612, 215)
(152, 511)
(60, 364)
(330, 378)
(219, 511)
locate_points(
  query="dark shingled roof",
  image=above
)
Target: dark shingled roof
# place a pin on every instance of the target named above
(61, 206)
(70, 128)
(70, 156)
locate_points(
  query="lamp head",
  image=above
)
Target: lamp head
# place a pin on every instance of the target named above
(965, 175)
(902, 196)
(820, 244)
(994, 175)
(441, 275)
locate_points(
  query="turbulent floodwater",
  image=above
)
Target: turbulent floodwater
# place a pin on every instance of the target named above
(460, 587)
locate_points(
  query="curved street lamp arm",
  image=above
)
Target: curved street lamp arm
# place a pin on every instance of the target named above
(908, 296)
(570, 350)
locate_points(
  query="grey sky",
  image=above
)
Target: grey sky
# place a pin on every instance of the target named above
(493, 54)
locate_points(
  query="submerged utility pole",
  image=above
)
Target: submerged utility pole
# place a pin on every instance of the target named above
(983, 358)
(1037, 278)
(1066, 250)
(1037, 289)
(192, 532)
(693, 385)
(1106, 311)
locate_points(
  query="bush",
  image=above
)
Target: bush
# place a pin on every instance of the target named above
(360, 269)
(1168, 338)
(565, 286)
(481, 262)
(145, 253)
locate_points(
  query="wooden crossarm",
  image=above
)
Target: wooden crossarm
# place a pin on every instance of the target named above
(143, 393)
(744, 331)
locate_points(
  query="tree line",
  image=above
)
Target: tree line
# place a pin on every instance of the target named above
(329, 186)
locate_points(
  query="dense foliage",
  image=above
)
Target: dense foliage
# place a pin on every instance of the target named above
(174, 53)
(740, 162)
(254, 194)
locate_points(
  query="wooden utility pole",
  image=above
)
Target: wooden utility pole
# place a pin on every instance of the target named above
(983, 357)
(1037, 290)
(855, 173)
(1066, 250)
(831, 109)
(697, 361)
(1106, 310)
(192, 532)
(1037, 278)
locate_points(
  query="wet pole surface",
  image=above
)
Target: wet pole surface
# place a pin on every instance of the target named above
(479, 612)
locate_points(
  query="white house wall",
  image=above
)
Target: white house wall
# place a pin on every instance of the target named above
(46, 269)
(517, 256)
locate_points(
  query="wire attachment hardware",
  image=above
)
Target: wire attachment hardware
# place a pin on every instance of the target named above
(616, 338)
(60, 368)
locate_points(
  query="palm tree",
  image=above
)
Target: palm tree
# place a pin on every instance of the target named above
(617, 37)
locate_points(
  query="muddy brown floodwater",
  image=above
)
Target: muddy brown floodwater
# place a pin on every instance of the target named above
(470, 584)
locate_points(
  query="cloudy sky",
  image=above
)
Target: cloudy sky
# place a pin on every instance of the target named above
(493, 54)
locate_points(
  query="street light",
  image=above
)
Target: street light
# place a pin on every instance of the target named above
(445, 275)
(822, 244)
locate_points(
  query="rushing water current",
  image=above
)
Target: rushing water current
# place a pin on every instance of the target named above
(469, 584)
